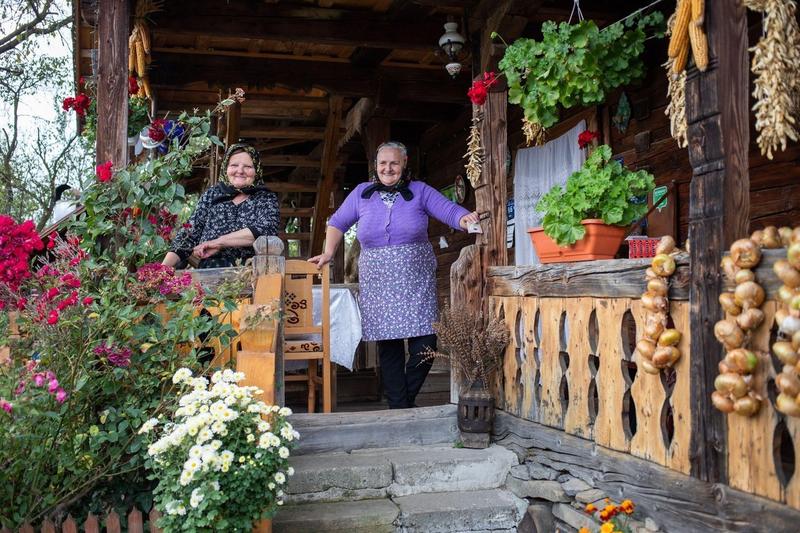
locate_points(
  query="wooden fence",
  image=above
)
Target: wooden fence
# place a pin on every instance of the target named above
(570, 366)
(137, 522)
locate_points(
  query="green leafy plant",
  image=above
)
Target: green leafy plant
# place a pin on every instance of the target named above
(574, 64)
(98, 331)
(138, 118)
(222, 460)
(602, 188)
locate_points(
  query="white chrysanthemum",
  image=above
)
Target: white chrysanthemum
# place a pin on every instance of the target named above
(286, 433)
(198, 383)
(263, 425)
(193, 464)
(238, 376)
(196, 452)
(250, 437)
(230, 400)
(284, 411)
(181, 375)
(279, 493)
(253, 408)
(283, 451)
(296, 435)
(216, 377)
(215, 485)
(204, 435)
(290, 470)
(215, 444)
(274, 441)
(227, 375)
(271, 485)
(228, 415)
(275, 408)
(280, 478)
(263, 441)
(226, 456)
(196, 497)
(186, 478)
(148, 426)
(210, 457)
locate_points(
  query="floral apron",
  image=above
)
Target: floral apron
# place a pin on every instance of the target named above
(397, 291)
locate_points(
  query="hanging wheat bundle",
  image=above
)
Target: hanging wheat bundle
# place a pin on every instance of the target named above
(534, 133)
(475, 152)
(676, 91)
(776, 66)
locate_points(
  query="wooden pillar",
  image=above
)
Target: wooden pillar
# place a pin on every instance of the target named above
(112, 82)
(232, 118)
(376, 131)
(330, 153)
(717, 110)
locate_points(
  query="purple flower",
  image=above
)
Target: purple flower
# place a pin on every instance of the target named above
(61, 395)
(6, 405)
(121, 358)
(20, 388)
(38, 379)
(52, 387)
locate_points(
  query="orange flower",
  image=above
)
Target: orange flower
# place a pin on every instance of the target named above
(611, 509)
(590, 508)
(608, 527)
(627, 506)
(604, 516)
(583, 530)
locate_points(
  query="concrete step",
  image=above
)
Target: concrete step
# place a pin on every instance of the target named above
(374, 473)
(482, 511)
(344, 432)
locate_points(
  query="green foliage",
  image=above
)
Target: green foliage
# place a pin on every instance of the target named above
(138, 118)
(574, 64)
(222, 459)
(602, 188)
(111, 350)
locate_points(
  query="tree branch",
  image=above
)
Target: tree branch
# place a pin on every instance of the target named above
(21, 33)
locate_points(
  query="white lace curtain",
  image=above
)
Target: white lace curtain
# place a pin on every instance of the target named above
(536, 170)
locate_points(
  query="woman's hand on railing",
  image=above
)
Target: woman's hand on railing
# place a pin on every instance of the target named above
(321, 260)
(207, 249)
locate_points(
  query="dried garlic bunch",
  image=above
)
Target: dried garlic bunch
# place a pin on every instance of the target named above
(534, 133)
(676, 90)
(475, 152)
(776, 65)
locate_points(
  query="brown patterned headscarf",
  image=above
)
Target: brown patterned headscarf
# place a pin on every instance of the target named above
(228, 191)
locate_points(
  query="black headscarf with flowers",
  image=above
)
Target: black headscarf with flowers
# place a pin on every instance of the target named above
(229, 192)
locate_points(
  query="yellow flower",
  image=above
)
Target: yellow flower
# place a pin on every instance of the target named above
(583, 530)
(590, 508)
(608, 527)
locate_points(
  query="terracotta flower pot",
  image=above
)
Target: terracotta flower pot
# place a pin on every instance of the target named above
(600, 242)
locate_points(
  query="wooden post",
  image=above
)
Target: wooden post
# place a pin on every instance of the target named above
(330, 152)
(112, 82)
(269, 263)
(232, 117)
(717, 111)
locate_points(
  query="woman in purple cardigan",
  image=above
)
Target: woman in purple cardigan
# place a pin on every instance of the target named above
(397, 266)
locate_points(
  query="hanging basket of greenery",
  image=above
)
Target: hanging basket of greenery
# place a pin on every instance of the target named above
(575, 64)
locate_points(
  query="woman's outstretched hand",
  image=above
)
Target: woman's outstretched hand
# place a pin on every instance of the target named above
(321, 260)
(469, 218)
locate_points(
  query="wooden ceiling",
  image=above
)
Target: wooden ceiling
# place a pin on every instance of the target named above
(315, 71)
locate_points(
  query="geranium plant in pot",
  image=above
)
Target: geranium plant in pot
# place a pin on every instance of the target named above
(589, 217)
(475, 350)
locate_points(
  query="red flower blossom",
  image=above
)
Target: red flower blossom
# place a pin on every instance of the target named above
(133, 85)
(17, 243)
(104, 173)
(480, 88)
(586, 137)
(81, 104)
(68, 103)
(52, 318)
(88, 300)
(156, 130)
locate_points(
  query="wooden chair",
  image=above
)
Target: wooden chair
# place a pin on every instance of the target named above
(303, 340)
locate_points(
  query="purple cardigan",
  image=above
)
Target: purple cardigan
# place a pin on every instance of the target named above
(405, 223)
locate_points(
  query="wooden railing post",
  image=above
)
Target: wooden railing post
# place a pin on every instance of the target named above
(267, 262)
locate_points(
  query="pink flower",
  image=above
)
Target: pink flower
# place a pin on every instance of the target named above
(61, 395)
(22, 303)
(52, 387)
(52, 318)
(103, 172)
(20, 388)
(38, 379)
(6, 405)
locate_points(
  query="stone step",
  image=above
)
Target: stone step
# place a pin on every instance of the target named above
(374, 473)
(344, 432)
(452, 512)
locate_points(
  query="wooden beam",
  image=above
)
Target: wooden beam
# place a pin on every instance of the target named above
(717, 113)
(285, 186)
(367, 32)
(347, 80)
(112, 85)
(282, 160)
(322, 208)
(246, 53)
(614, 278)
(294, 236)
(232, 120)
(275, 145)
(302, 212)
(295, 132)
(678, 503)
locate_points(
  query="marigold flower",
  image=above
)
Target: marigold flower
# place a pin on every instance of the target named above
(583, 530)
(604, 516)
(590, 508)
(608, 527)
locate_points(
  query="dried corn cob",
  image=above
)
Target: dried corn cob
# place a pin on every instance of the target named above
(698, 12)
(140, 61)
(699, 46)
(680, 31)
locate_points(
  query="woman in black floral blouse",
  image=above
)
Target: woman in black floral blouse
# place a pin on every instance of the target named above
(230, 216)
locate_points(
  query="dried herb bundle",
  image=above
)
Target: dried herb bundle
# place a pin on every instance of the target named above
(475, 152)
(474, 349)
(676, 91)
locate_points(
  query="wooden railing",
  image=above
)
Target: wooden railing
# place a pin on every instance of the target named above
(570, 362)
(570, 366)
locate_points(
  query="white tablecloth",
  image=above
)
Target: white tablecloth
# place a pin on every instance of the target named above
(345, 327)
